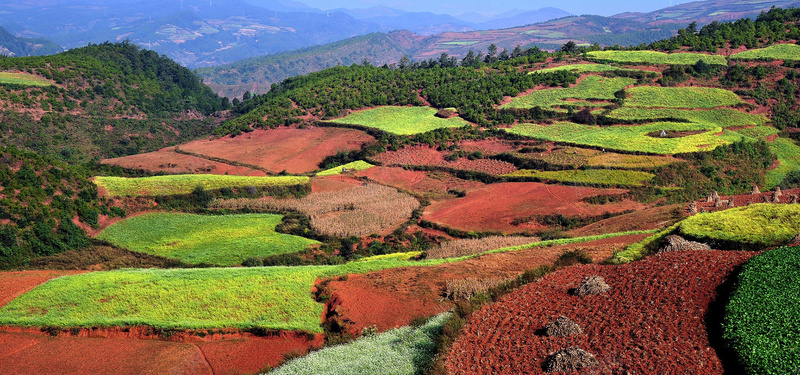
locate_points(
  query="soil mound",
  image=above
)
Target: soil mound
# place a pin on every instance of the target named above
(678, 243)
(561, 327)
(592, 285)
(570, 359)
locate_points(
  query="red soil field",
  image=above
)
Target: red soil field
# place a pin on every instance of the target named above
(392, 298)
(139, 350)
(490, 146)
(646, 219)
(652, 321)
(333, 183)
(416, 181)
(427, 156)
(291, 149)
(169, 161)
(16, 283)
(496, 206)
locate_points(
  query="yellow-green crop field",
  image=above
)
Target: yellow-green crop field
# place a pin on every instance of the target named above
(633, 138)
(655, 57)
(775, 51)
(185, 183)
(591, 88)
(24, 79)
(681, 97)
(756, 226)
(402, 120)
(576, 157)
(604, 177)
(588, 68)
(788, 154)
(224, 240)
(358, 165)
(724, 117)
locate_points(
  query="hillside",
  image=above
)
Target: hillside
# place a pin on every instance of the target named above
(101, 100)
(11, 45)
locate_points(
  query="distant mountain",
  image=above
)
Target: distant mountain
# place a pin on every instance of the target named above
(704, 12)
(258, 73)
(524, 18)
(193, 32)
(11, 45)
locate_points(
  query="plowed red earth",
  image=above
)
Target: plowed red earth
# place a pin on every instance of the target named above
(652, 321)
(427, 156)
(416, 181)
(496, 206)
(167, 160)
(291, 149)
(118, 351)
(15, 283)
(392, 298)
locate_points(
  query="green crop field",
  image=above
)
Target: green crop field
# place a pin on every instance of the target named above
(756, 226)
(358, 165)
(654, 57)
(401, 351)
(220, 240)
(681, 97)
(631, 138)
(773, 52)
(185, 183)
(724, 117)
(588, 68)
(203, 298)
(788, 154)
(401, 120)
(575, 157)
(605, 177)
(591, 88)
(762, 318)
(24, 79)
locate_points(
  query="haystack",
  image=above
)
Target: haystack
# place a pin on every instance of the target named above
(777, 191)
(692, 208)
(755, 190)
(569, 360)
(562, 326)
(766, 199)
(795, 241)
(592, 285)
(678, 243)
(730, 202)
(793, 198)
(776, 196)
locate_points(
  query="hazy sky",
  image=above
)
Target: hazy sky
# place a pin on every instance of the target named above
(601, 7)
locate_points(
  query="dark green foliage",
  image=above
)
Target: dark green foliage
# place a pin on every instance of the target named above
(762, 318)
(728, 169)
(39, 198)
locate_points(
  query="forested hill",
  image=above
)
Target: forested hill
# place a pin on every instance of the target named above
(101, 100)
(11, 45)
(39, 200)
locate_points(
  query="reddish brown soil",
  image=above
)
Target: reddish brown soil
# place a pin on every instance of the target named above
(649, 218)
(423, 155)
(15, 283)
(743, 200)
(333, 183)
(652, 321)
(392, 298)
(488, 146)
(167, 160)
(141, 350)
(496, 206)
(416, 181)
(291, 149)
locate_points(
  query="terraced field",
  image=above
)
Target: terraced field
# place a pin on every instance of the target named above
(591, 88)
(358, 165)
(655, 57)
(756, 226)
(594, 177)
(589, 68)
(219, 240)
(184, 184)
(773, 52)
(401, 120)
(724, 117)
(635, 138)
(24, 79)
(681, 97)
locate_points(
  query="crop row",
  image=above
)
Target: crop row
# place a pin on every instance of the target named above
(184, 184)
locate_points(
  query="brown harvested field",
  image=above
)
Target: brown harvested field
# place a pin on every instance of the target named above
(392, 298)
(430, 183)
(169, 161)
(496, 206)
(118, 351)
(654, 320)
(425, 156)
(646, 219)
(333, 183)
(492, 146)
(15, 283)
(291, 149)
